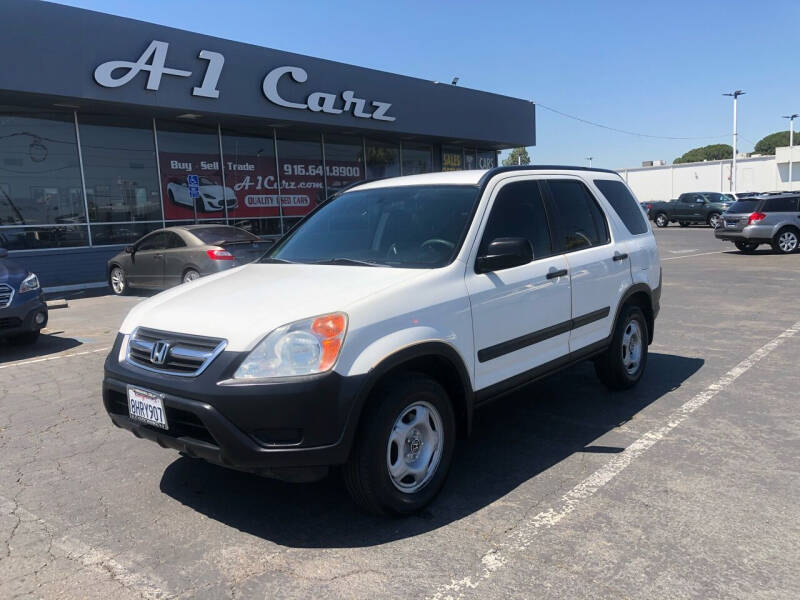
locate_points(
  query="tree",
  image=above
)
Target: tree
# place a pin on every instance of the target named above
(712, 152)
(767, 144)
(517, 156)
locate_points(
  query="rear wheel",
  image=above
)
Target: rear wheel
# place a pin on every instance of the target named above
(190, 275)
(714, 220)
(621, 366)
(746, 247)
(684, 223)
(786, 240)
(661, 220)
(118, 281)
(404, 446)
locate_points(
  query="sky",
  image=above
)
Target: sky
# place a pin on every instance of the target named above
(651, 68)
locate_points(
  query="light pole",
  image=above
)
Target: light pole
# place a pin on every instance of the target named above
(734, 95)
(791, 143)
(589, 158)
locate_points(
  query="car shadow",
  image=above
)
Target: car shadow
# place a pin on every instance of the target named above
(514, 439)
(48, 343)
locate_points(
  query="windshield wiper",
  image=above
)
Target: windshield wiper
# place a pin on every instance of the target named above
(346, 261)
(269, 259)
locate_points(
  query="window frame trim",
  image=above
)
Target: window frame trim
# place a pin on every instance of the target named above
(550, 199)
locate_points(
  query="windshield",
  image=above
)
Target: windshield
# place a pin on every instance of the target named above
(743, 206)
(217, 235)
(407, 226)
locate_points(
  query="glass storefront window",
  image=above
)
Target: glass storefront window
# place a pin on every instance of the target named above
(383, 159)
(119, 165)
(40, 179)
(487, 159)
(344, 161)
(43, 236)
(470, 161)
(122, 233)
(249, 163)
(192, 150)
(417, 158)
(452, 158)
(300, 172)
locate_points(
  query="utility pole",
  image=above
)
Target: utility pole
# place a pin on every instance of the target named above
(589, 158)
(734, 95)
(791, 118)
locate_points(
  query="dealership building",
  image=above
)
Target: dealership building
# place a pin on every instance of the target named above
(111, 128)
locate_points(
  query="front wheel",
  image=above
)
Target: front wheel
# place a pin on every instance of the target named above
(785, 241)
(118, 281)
(621, 366)
(661, 220)
(404, 446)
(746, 247)
(714, 220)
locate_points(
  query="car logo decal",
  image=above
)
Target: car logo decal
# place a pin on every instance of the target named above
(158, 354)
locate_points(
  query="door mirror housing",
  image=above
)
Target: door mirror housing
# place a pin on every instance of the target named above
(504, 253)
(129, 249)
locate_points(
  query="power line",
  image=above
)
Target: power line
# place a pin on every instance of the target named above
(625, 131)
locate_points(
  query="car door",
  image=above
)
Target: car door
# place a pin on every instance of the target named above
(147, 261)
(683, 208)
(175, 257)
(520, 315)
(599, 272)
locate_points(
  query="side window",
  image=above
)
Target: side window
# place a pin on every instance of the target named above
(578, 221)
(780, 205)
(518, 211)
(156, 241)
(174, 240)
(624, 204)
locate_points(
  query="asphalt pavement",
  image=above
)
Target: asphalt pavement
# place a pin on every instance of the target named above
(685, 487)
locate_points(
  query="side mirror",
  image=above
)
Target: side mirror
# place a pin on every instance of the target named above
(3, 253)
(504, 253)
(129, 249)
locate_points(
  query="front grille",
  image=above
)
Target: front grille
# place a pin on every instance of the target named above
(10, 322)
(181, 423)
(6, 294)
(185, 355)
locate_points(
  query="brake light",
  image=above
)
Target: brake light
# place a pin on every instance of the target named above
(219, 254)
(756, 216)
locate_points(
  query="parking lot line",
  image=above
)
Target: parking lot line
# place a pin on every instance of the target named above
(89, 557)
(691, 255)
(519, 539)
(38, 360)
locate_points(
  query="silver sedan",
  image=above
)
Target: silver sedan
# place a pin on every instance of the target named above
(167, 257)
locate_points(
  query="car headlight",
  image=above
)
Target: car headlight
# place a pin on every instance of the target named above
(301, 348)
(30, 283)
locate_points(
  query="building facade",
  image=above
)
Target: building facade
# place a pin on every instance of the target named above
(111, 128)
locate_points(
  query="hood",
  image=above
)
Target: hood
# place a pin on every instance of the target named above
(242, 305)
(11, 272)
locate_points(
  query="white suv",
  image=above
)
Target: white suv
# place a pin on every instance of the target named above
(369, 334)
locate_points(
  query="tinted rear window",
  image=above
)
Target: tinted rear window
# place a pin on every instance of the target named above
(624, 204)
(743, 206)
(217, 235)
(780, 205)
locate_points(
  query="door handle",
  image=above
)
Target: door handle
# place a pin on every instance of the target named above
(554, 274)
(620, 256)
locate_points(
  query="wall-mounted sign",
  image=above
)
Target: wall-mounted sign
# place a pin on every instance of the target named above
(116, 73)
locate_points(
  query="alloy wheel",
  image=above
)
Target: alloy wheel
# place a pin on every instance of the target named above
(117, 280)
(714, 221)
(787, 241)
(190, 275)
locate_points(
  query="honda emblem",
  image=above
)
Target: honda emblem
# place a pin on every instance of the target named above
(159, 352)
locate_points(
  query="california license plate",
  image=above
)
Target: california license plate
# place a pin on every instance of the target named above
(147, 407)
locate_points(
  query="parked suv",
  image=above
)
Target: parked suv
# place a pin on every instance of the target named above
(765, 219)
(367, 336)
(23, 312)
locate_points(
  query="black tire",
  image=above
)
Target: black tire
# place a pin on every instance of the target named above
(118, 281)
(786, 241)
(746, 247)
(661, 220)
(684, 223)
(24, 339)
(611, 366)
(713, 218)
(366, 474)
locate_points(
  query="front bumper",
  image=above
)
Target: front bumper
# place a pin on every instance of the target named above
(20, 317)
(290, 429)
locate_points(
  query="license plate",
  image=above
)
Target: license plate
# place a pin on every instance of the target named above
(731, 223)
(147, 407)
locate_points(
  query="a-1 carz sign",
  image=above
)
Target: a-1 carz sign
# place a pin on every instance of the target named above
(153, 61)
